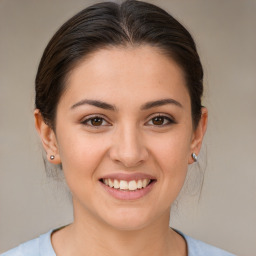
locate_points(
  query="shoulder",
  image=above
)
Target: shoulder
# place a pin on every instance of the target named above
(199, 248)
(39, 246)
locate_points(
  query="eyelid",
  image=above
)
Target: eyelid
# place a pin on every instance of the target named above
(86, 119)
(170, 118)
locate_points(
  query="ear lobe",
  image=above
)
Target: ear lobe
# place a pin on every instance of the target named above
(48, 138)
(198, 134)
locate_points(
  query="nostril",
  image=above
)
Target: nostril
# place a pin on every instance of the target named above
(129, 151)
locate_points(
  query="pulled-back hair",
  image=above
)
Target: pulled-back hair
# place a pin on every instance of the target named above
(131, 23)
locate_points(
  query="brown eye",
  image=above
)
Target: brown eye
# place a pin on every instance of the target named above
(97, 121)
(158, 120)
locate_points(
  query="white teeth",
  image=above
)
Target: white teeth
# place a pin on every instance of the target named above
(127, 185)
(110, 183)
(139, 184)
(124, 184)
(145, 183)
(116, 184)
(132, 185)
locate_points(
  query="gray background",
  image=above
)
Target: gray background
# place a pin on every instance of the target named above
(225, 215)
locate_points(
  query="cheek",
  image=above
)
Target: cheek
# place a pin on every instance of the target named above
(174, 164)
(172, 149)
(171, 156)
(80, 154)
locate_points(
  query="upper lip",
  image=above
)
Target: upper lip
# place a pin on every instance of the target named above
(128, 176)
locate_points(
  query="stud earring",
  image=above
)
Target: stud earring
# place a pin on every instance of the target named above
(52, 157)
(194, 156)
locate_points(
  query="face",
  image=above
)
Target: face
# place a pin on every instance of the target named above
(124, 136)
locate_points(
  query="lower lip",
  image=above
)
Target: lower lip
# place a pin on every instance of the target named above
(128, 195)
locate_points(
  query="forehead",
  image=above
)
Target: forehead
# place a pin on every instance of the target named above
(127, 72)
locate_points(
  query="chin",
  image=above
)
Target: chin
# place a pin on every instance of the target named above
(128, 219)
(128, 225)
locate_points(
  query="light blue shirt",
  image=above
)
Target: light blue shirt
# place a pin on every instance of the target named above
(42, 246)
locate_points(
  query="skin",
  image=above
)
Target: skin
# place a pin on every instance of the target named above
(127, 141)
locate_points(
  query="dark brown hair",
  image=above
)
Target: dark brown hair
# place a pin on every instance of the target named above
(111, 24)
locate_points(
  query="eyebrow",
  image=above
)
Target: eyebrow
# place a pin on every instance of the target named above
(96, 103)
(159, 103)
(148, 105)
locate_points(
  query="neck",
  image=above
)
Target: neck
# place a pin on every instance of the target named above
(89, 236)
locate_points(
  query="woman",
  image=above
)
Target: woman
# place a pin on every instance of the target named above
(118, 108)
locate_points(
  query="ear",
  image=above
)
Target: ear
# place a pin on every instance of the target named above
(198, 135)
(48, 138)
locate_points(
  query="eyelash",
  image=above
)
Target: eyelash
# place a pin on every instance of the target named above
(167, 121)
(86, 121)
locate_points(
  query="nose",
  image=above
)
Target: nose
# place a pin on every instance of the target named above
(128, 148)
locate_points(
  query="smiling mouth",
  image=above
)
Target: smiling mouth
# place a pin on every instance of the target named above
(124, 185)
